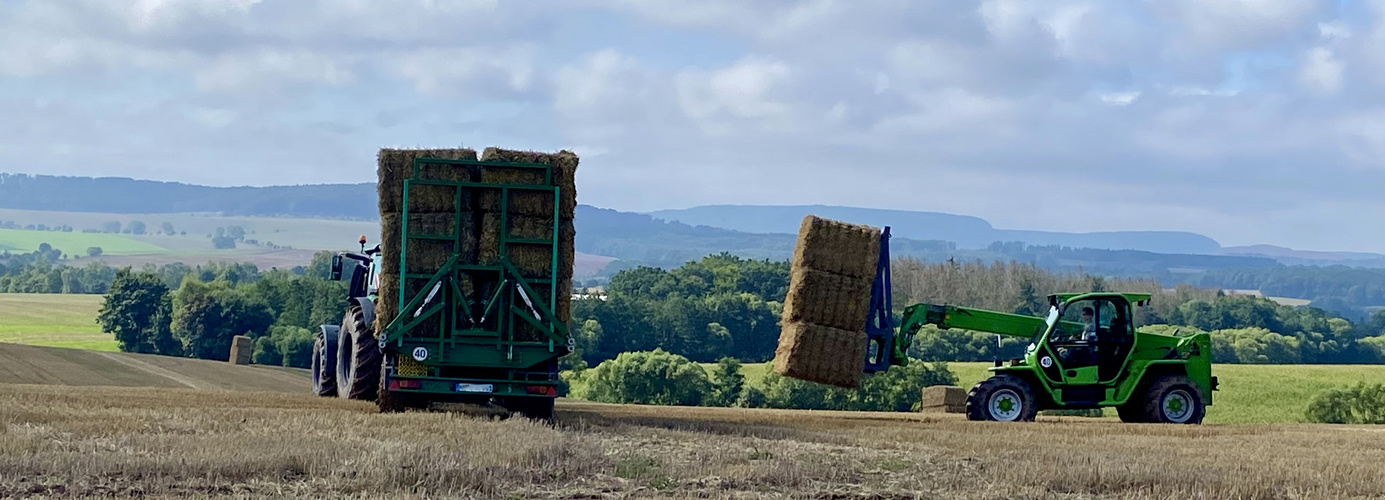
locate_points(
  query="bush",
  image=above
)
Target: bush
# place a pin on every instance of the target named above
(648, 377)
(295, 344)
(266, 353)
(94, 251)
(1362, 404)
(898, 389)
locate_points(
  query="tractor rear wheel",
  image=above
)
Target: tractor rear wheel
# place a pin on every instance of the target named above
(358, 355)
(1003, 398)
(325, 363)
(1174, 399)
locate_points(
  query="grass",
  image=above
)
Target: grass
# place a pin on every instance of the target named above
(53, 320)
(1248, 393)
(164, 443)
(74, 243)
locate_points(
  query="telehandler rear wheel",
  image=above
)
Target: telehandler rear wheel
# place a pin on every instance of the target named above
(1174, 399)
(1132, 412)
(358, 365)
(1003, 398)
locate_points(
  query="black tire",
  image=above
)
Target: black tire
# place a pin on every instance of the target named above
(532, 408)
(993, 400)
(358, 355)
(325, 364)
(1132, 412)
(1174, 399)
(394, 402)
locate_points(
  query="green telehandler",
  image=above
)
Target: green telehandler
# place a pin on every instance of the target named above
(1084, 354)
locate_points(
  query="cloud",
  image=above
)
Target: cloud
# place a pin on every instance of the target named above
(1219, 116)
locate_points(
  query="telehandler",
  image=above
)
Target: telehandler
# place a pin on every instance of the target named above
(1085, 353)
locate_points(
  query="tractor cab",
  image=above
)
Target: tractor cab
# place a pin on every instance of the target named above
(360, 271)
(1088, 337)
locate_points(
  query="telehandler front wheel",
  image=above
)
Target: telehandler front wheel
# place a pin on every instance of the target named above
(1003, 398)
(1174, 399)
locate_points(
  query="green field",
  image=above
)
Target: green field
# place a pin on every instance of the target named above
(312, 234)
(53, 320)
(75, 243)
(1248, 393)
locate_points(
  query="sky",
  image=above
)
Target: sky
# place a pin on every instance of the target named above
(1250, 121)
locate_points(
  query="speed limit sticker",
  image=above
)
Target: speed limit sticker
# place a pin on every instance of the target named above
(420, 353)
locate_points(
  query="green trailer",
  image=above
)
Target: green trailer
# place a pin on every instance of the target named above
(480, 330)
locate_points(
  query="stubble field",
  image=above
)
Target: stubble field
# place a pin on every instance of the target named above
(74, 442)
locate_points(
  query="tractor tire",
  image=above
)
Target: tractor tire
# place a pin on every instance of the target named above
(1174, 399)
(358, 358)
(1003, 398)
(325, 364)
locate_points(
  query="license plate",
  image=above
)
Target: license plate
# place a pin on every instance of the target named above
(475, 388)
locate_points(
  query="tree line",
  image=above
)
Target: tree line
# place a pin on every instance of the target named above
(176, 310)
(727, 306)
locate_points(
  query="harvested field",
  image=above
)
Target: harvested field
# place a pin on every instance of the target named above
(165, 443)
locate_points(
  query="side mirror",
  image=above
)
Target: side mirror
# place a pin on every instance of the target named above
(336, 268)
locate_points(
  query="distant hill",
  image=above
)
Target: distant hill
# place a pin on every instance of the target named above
(130, 196)
(1291, 256)
(967, 232)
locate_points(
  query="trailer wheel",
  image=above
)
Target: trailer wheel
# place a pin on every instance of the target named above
(358, 355)
(532, 408)
(393, 402)
(325, 361)
(1174, 399)
(1004, 398)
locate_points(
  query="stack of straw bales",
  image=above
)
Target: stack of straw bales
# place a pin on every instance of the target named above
(436, 210)
(823, 338)
(242, 348)
(943, 399)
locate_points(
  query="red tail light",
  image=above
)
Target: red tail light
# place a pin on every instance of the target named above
(542, 390)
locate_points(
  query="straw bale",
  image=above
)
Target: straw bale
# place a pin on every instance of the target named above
(827, 299)
(396, 165)
(532, 203)
(242, 348)
(425, 256)
(837, 247)
(821, 354)
(939, 396)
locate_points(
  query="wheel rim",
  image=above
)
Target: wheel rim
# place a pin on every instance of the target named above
(1178, 406)
(1005, 405)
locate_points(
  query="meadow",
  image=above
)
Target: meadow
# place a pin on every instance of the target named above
(302, 236)
(53, 320)
(74, 244)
